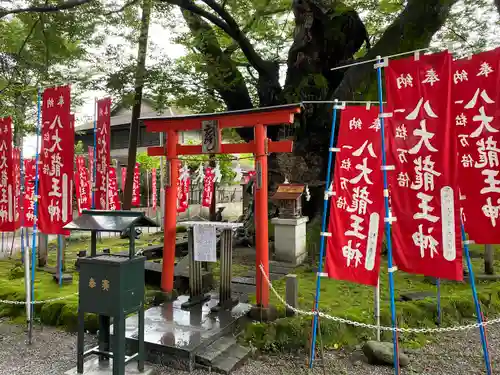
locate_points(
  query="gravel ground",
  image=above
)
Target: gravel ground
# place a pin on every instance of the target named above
(54, 352)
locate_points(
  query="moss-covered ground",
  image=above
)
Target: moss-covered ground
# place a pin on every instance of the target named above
(63, 312)
(356, 302)
(347, 300)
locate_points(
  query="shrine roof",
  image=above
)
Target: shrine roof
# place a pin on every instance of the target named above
(288, 192)
(109, 221)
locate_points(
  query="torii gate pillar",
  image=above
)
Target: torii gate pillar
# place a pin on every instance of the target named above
(261, 216)
(170, 214)
(211, 126)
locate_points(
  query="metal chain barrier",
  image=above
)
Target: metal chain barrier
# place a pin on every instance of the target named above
(373, 326)
(7, 302)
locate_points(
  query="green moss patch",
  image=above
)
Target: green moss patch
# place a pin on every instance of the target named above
(356, 302)
(61, 313)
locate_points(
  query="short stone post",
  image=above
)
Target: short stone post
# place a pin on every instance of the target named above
(43, 249)
(291, 293)
(489, 260)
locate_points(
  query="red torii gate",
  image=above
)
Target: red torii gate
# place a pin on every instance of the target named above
(211, 126)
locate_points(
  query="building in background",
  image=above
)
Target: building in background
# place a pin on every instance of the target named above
(120, 130)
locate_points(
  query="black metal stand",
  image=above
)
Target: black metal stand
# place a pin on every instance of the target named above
(111, 286)
(120, 360)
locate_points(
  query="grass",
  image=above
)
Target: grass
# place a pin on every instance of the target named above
(64, 312)
(356, 302)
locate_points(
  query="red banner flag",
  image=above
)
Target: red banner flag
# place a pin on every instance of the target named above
(103, 151)
(423, 148)
(153, 188)
(477, 120)
(91, 169)
(113, 197)
(7, 185)
(183, 184)
(29, 192)
(57, 152)
(136, 190)
(208, 188)
(357, 209)
(16, 156)
(124, 177)
(83, 197)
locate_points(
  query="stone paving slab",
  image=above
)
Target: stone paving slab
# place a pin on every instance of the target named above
(93, 367)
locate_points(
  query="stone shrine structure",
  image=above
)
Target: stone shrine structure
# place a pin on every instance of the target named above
(290, 225)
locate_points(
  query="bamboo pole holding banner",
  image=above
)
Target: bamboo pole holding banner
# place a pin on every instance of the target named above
(479, 314)
(35, 213)
(323, 234)
(388, 218)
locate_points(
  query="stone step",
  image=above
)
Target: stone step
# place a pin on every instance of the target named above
(242, 288)
(211, 352)
(231, 359)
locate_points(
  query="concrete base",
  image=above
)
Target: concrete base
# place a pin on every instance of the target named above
(93, 367)
(263, 314)
(227, 305)
(196, 300)
(290, 239)
(161, 297)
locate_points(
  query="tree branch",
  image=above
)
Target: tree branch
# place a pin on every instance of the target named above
(412, 29)
(21, 49)
(122, 8)
(223, 73)
(48, 8)
(190, 6)
(240, 38)
(263, 12)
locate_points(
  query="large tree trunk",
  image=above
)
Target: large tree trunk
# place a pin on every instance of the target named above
(327, 34)
(136, 109)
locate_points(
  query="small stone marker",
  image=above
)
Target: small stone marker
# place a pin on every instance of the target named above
(291, 293)
(381, 353)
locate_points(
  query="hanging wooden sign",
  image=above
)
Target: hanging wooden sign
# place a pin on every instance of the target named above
(210, 137)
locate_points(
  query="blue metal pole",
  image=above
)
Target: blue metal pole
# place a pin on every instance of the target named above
(60, 256)
(323, 231)
(35, 206)
(94, 162)
(387, 220)
(479, 315)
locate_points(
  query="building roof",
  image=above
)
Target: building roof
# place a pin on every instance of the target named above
(121, 114)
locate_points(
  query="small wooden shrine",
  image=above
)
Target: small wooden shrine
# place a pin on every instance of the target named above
(288, 198)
